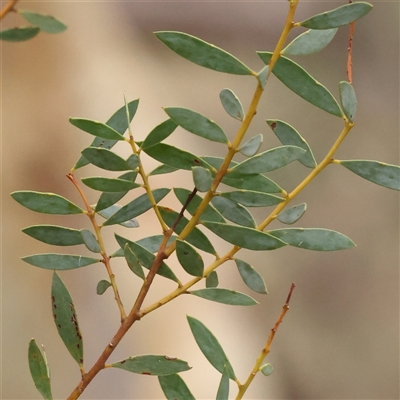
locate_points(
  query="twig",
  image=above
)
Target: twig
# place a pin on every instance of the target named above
(7, 8)
(349, 69)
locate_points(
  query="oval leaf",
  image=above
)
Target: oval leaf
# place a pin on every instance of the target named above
(348, 99)
(90, 241)
(292, 214)
(289, 136)
(197, 238)
(231, 104)
(47, 203)
(302, 83)
(96, 128)
(210, 347)
(225, 296)
(109, 184)
(59, 262)
(223, 388)
(251, 277)
(66, 319)
(268, 161)
(233, 212)
(133, 262)
(196, 124)
(309, 42)
(118, 122)
(174, 387)
(251, 146)
(39, 370)
(382, 174)
(338, 17)
(19, 34)
(136, 207)
(159, 133)
(108, 212)
(267, 369)
(250, 198)
(189, 258)
(202, 53)
(102, 286)
(105, 159)
(152, 365)
(313, 238)
(46, 23)
(153, 243)
(212, 280)
(202, 179)
(247, 238)
(162, 169)
(56, 235)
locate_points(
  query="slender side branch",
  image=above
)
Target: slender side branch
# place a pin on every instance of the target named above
(7, 8)
(267, 347)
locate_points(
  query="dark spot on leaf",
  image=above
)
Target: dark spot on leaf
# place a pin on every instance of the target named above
(146, 373)
(55, 316)
(78, 346)
(59, 326)
(54, 305)
(196, 161)
(81, 360)
(53, 299)
(273, 125)
(185, 253)
(123, 362)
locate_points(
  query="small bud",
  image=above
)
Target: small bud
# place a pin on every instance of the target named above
(267, 369)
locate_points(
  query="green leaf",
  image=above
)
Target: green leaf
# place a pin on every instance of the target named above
(309, 42)
(152, 365)
(210, 213)
(251, 147)
(267, 369)
(117, 122)
(225, 296)
(292, 214)
(146, 258)
(153, 243)
(47, 203)
(46, 23)
(133, 262)
(189, 258)
(136, 207)
(382, 174)
(250, 198)
(233, 212)
(66, 319)
(348, 99)
(262, 76)
(210, 347)
(90, 241)
(302, 83)
(212, 279)
(19, 34)
(133, 161)
(251, 277)
(39, 370)
(102, 286)
(289, 136)
(110, 211)
(162, 169)
(247, 238)
(231, 104)
(159, 133)
(202, 53)
(56, 235)
(174, 157)
(202, 179)
(197, 238)
(313, 238)
(197, 124)
(175, 388)
(105, 159)
(109, 184)
(223, 388)
(96, 128)
(59, 262)
(338, 17)
(267, 161)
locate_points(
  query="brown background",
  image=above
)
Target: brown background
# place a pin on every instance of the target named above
(340, 339)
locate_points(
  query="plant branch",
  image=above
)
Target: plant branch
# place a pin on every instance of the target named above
(267, 347)
(9, 7)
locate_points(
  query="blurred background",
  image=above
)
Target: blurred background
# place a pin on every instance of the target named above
(340, 339)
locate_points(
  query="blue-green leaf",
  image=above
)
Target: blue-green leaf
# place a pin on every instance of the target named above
(225, 296)
(202, 179)
(289, 136)
(159, 133)
(197, 124)
(212, 279)
(250, 198)
(303, 84)
(382, 174)
(251, 147)
(102, 286)
(348, 99)
(174, 387)
(96, 128)
(109, 184)
(153, 243)
(19, 34)
(223, 388)
(56, 235)
(105, 159)
(232, 104)
(90, 241)
(267, 369)
(189, 258)
(162, 169)
(39, 370)
(133, 262)
(340, 16)
(202, 53)
(110, 211)
(233, 212)
(251, 277)
(66, 319)
(46, 23)
(292, 214)
(59, 262)
(313, 238)
(210, 347)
